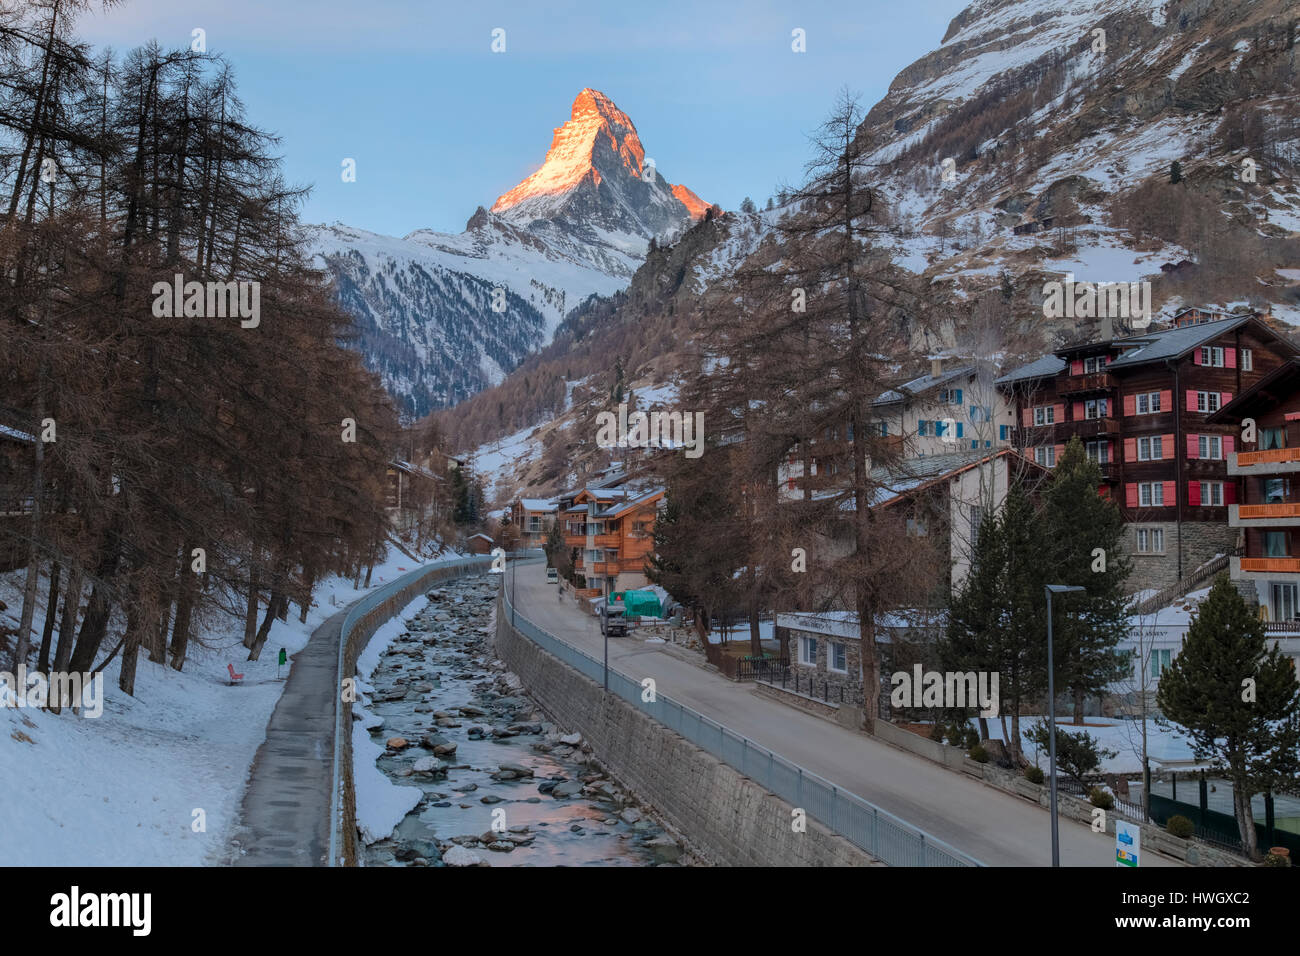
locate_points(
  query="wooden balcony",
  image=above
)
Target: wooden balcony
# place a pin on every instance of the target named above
(1093, 427)
(607, 540)
(1282, 510)
(1078, 384)
(603, 567)
(1273, 565)
(1267, 457)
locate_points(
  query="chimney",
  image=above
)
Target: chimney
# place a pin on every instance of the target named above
(936, 367)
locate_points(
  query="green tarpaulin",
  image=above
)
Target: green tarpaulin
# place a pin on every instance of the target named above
(642, 603)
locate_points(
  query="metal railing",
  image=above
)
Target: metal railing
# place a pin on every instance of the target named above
(878, 832)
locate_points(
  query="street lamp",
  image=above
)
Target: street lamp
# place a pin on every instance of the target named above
(1051, 712)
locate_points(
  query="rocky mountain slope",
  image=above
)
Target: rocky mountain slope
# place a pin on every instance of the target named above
(442, 316)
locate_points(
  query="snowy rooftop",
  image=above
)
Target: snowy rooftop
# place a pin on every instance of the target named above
(918, 385)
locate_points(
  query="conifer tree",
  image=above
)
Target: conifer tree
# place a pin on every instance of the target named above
(1237, 700)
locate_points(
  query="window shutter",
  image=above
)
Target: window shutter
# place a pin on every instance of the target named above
(1130, 449)
(1230, 358)
(957, 401)
(1076, 367)
(1194, 494)
(1130, 405)
(1167, 400)
(959, 430)
(1167, 446)
(1108, 358)
(1229, 492)
(1060, 450)
(1110, 451)
(1060, 412)
(1196, 358)
(1078, 412)
(1131, 494)
(1193, 446)
(1229, 445)
(1027, 417)
(1171, 492)
(1002, 433)
(1224, 398)
(1191, 400)
(920, 427)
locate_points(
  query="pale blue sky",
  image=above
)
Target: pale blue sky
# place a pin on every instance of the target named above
(438, 124)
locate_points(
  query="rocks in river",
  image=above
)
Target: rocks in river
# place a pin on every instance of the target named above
(501, 846)
(489, 798)
(468, 710)
(465, 788)
(459, 856)
(569, 788)
(571, 740)
(529, 728)
(630, 815)
(444, 750)
(503, 732)
(546, 786)
(428, 765)
(419, 849)
(664, 848)
(447, 722)
(519, 770)
(397, 743)
(475, 733)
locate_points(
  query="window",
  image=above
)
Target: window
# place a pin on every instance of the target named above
(923, 428)
(1045, 455)
(1207, 402)
(1212, 356)
(1276, 490)
(1160, 658)
(1045, 415)
(836, 658)
(1286, 601)
(1003, 430)
(1211, 494)
(976, 522)
(1151, 494)
(1150, 449)
(848, 432)
(1271, 438)
(1211, 446)
(952, 395)
(884, 429)
(808, 651)
(916, 526)
(979, 413)
(1096, 363)
(1148, 403)
(1098, 451)
(1275, 544)
(1151, 540)
(1247, 360)
(1095, 408)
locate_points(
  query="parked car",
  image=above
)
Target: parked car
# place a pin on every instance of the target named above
(612, 621)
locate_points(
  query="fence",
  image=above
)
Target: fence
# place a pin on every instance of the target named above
(362, 620)
(1220, 828)
(1162, 597)
(874, 830)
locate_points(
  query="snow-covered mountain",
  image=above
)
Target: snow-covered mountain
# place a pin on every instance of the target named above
(1118, 140)
(441, 316)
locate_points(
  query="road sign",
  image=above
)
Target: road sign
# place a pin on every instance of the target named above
(1128, 842)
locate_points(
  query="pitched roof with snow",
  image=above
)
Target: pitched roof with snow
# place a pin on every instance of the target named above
(919, 385)
(537, 504)
(1049, 366)
(1171, 343)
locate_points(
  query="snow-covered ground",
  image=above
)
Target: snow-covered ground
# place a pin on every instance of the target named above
(124, 788)
(1165, 747)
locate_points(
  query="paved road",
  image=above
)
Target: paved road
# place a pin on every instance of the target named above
(284, 819)
(994, 827)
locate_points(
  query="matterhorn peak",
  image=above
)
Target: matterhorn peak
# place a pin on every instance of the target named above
(596, 174)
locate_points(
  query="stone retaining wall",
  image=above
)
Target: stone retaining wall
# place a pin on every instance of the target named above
(725, 817)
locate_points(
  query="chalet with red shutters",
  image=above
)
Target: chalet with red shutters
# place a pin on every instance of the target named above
(1142, 406)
